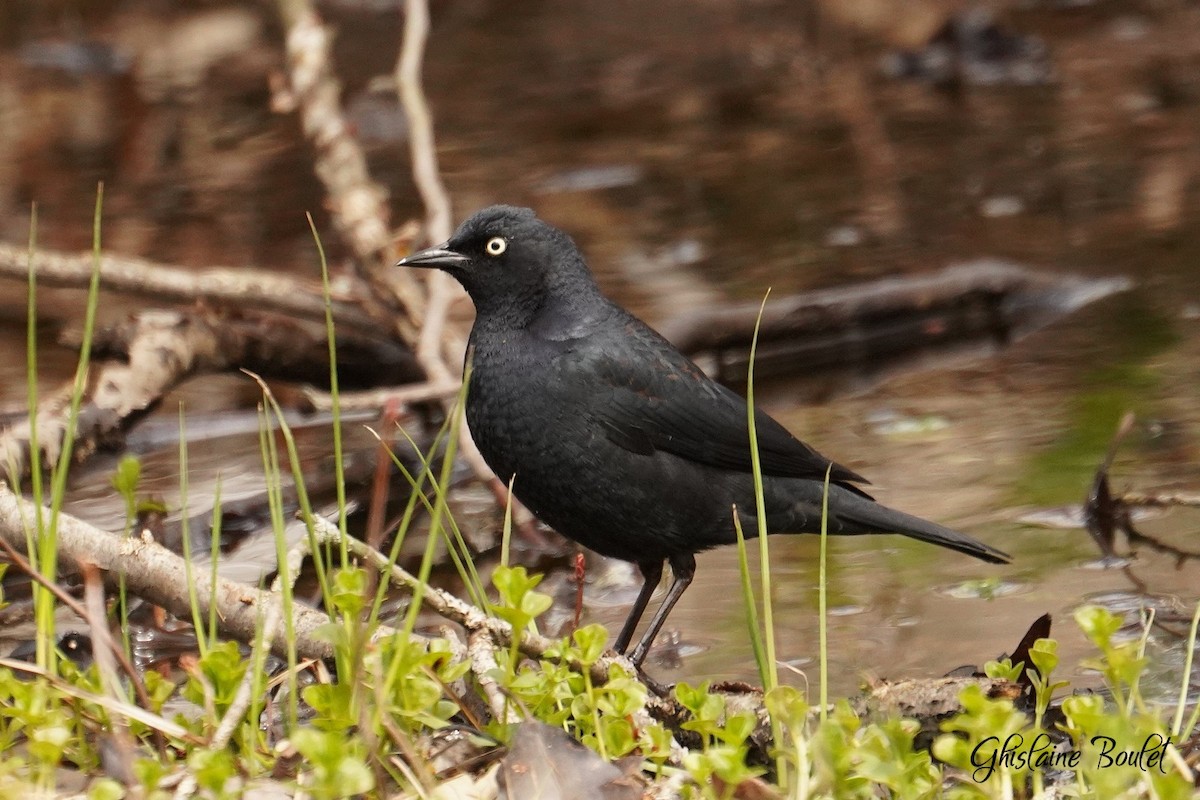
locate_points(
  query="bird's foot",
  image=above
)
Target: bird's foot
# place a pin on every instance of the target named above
(661, 690)
(639, 654)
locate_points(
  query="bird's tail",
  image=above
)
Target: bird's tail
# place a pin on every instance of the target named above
(860, 515)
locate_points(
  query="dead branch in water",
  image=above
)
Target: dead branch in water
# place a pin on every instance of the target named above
(222, 287)
(435, 340)
(986, 302)
(1106, 513)
(154, 351)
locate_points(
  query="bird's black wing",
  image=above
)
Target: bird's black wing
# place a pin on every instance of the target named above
(649, 397)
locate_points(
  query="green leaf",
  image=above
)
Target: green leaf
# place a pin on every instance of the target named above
(127, 476)
(590, 640)
(349, 588)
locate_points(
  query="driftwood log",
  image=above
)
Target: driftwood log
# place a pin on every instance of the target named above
(982, 304)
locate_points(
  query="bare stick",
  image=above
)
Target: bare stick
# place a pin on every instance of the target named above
(436, 344)
(420, 123)
(498, 631)
(1160, 499)
(242, 698)
(230, 287)
(481, 650)
(357, 204)
(122, 752)
(159, 576)
(377, 398)
(441, 289)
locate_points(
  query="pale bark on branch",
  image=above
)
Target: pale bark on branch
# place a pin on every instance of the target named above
(225, 287)
(357, 204)
(164, 349)
(159, 576)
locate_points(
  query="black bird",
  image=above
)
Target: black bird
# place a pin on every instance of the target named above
(615, 438)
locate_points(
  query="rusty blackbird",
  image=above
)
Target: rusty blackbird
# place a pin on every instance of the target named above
(615, 438)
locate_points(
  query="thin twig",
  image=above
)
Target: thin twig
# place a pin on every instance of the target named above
(378, 398)
(499, 631)
(420, 122)
(122, 751)
(473, 708)
(452, 608)
(1160, 499)
(481, 650)
(437, 344)
(441, 291)
(236, 711)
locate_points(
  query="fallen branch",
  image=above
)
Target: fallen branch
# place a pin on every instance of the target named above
(481, 652)
(380, 398)
(1105, 513)
(223, 287)
(500, 633)
(987, 302)
(1160, 500)
(160, 577)
(163, 349)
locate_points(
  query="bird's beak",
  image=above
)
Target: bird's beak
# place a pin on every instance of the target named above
(440, 257)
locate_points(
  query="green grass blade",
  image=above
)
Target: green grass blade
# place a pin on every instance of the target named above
(334, 394)
(185, 527)
(214, 556)
(34, 534)
(31, 376)
(1185, 683)
(44, 602)
(751, 604)
(456, 545)
(771, 678)
(768, 663)
(506, 530)
(822, 599)
(274, 491)
(417, 483)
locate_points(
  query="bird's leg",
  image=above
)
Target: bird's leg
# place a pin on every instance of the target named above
(651, 574)
(683, 569)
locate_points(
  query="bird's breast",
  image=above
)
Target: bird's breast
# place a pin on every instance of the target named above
(515, 402)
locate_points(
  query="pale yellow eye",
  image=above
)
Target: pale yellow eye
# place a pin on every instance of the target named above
(496, 246)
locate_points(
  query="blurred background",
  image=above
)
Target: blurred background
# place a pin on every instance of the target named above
(701, 151)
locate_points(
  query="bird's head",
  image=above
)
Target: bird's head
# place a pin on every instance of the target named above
(510, 262)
